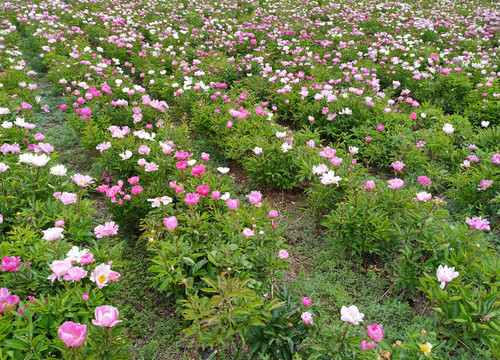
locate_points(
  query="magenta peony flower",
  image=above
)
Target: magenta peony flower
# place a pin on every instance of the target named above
(375, 332)
(478, 223)
(192, 199)
(10, 263)
(424, 180)
(306, 301)
(203, 190)
(255, 197)
(273, 213)
(71, 334)
(106, 316)
(367, 346)
(370, 184)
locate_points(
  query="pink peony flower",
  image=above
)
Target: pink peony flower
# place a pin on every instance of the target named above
(100, 275)
(10, 263)
(232, 204)
(307, 317)
(395, 183)
(398, 165)
(87, 258)
(170, 223)
(424, 180)
(71, 334)
(136, 190)
(106, 316)
(336, 161)
(67, 198)
(133, 180)
(85, 297)
(273, 213)
(59, 269)
(7, 300)
(446, 274)
(370, 184)
(203, 190)
(485, 184)
(248, 233)
(53, 234)
(478, 223)
(422, 196)
(375, 332)
(306, 301)
(192, 199)
(75, 274)
(82, 180)
(380, 127)
(109, 228)
(215, 195)
(283, 254)
(255, 197)
(367, 346)
(495, 159)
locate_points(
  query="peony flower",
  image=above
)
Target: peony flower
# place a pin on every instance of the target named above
(273, 213)
(232, 204)
(330, 178)
(106, 316)
(478, 223)
(10, 263)
(448, 128)
(53, 234)
(163, 200)
(170, 223)
(395, 183)
(307, 317)
(58, 170)
(422, 196)
(424, 180)
(75, 255)
(306, 301)
(255, 198)
(75, 274)
(248, 233)
(351, 314)
(398, 165)
(257, 150)
(109, 228)
(495, 159)
(100, 275)
(7, 300)
(72, 334)
(375, 332)
(370, 184)
(367, 346)
(283, 254)
(59, 269)
(483, 185)
(192, 199)
(446, 274)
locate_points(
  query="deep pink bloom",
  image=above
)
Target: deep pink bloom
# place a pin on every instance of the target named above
(192, 199)
(424, 180)
(413, 116)
(375, 332)
(75, 274)
(63, 107)
(367, 346)
(232, 204)
(484, 184)
(380, 127)
(136, 190)
(106, 316)
(203, 190)
(170, 223)
(133, 180)
(273, 213)
(306, 301)
(72, 334)
(85, 296)
(198, 170)
(495, 159)
(368, 138)
(10, 263)
(181, 165)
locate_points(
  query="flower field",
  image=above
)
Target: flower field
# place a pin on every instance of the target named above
(247, 179)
